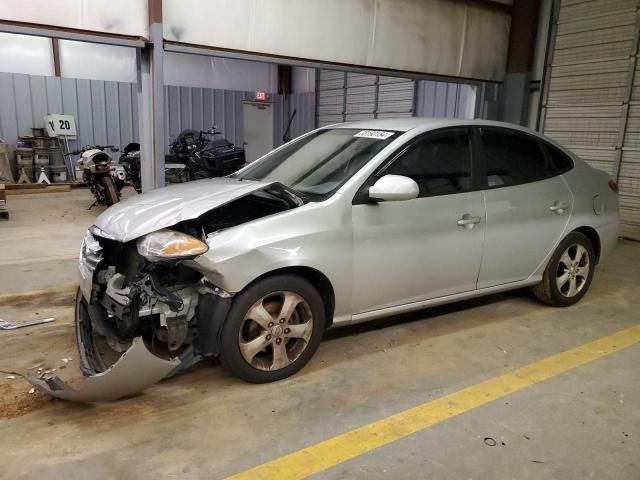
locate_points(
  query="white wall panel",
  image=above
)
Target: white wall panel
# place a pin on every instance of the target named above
(445, 37)
(25, 54)
(219, 73)
(123, 17)
(97, 62)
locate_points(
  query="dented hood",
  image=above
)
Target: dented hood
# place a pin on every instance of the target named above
(167, 206)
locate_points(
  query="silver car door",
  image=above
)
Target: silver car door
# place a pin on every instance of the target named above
(528, 208)
(431, 246)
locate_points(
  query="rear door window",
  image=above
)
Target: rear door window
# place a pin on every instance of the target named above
(511, 158)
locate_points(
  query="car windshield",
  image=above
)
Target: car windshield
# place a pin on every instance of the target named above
(318, 164)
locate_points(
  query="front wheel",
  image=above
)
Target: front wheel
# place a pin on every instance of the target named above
(273, 329)
(569, 272)
(110, 191)
(95, 353)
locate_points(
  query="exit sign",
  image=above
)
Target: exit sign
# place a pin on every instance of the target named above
(261, 96)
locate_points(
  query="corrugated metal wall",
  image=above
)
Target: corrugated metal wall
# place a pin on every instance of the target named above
(591, 99)
(105, 112)
(305, 120)
(445, 99)
(201, 108)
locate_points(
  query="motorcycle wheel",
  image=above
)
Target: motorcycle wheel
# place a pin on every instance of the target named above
(110, 191)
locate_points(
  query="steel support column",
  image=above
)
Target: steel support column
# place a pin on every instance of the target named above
(151, 102)
(515, 91)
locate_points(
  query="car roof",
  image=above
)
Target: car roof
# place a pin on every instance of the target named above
(424, 124)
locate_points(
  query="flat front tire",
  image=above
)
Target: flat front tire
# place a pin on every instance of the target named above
(273, 329)
(569, 273)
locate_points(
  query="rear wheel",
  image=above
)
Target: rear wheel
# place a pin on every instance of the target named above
(273, 329)
(569, 272)
(110, 190)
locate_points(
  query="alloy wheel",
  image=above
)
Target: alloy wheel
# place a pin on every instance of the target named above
(275, 331)
(573, 270)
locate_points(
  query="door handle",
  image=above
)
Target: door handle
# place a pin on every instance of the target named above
(467, 221)
(558, 207)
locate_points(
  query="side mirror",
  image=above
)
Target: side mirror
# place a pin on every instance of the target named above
(392, 188)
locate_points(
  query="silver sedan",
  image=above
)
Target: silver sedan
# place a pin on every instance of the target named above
(347, 223)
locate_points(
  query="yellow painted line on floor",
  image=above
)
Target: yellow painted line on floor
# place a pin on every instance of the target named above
(328, 453)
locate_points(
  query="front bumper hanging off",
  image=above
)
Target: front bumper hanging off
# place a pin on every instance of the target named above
(137, 368)
(134, 371)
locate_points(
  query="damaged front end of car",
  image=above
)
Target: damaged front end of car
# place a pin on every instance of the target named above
(146, 308)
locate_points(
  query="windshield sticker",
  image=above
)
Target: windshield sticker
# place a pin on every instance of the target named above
(377, 134)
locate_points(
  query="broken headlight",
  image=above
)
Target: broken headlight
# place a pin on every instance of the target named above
(170, 245)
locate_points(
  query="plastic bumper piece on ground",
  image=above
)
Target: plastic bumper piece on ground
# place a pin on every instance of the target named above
(134, 371)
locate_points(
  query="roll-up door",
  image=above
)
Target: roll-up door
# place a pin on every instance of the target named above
(347, 96)
(395, 97)
(361, 97)
(331, 88)
(591, 100)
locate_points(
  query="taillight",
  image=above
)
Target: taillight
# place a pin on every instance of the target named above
(613, 186)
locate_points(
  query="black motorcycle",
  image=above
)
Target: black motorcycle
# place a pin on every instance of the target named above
(104, 178)
(204, 156)
(130, 161)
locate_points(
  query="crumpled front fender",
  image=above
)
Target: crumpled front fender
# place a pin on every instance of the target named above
(134, 371)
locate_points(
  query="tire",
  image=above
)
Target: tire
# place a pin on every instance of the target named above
(251, 363)
(90, 362)
(95, 354)
(565, 280)
(110, 192)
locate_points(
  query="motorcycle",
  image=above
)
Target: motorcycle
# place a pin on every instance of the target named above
(105, 179)
(204, 156)
(130, 161)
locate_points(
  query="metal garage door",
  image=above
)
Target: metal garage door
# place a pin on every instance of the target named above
(591, 100)
(346, 96)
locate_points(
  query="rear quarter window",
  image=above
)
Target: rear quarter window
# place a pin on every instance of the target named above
(560, 162)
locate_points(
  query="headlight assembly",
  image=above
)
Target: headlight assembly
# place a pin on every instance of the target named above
(170, 245)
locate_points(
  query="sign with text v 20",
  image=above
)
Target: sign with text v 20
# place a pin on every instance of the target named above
(60, 125)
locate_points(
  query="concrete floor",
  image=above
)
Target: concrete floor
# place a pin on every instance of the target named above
(584, 423)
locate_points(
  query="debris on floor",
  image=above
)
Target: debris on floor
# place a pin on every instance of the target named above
(5, 325)
(490, 442)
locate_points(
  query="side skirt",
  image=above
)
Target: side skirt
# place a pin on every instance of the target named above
(432, 302)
